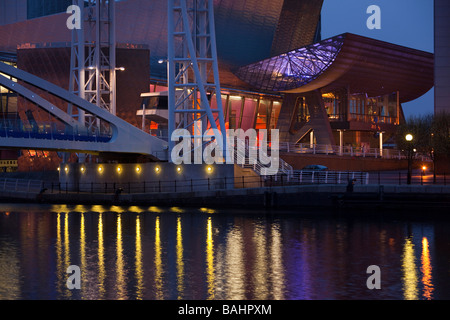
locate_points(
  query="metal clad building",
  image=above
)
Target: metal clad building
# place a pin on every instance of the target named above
(442, 55)
(245, 29)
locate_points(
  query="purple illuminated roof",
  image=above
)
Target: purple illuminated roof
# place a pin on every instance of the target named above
(292, 69)
(350, 61)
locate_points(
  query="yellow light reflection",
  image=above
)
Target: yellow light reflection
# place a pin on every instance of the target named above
(260, 266)
(426, 271)
(101, 258)
(155, 209)
(410, 278)
(139, 266)
(210, 260)
(120, 264)
(134, 209)
(83, 249)
(180, 262)
(176, 210)
(207, 210)
(98, 208)
(68, 293)
(277, 272)
(235, 267)
(59, 262)
(158, 262)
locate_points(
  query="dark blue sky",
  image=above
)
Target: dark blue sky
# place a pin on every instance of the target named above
(405, 22)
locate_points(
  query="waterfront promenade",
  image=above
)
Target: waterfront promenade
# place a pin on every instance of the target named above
(281, 194)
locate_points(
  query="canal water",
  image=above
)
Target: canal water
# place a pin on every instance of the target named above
(175, 253)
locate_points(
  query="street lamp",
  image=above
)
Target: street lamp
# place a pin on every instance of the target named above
(409, 138)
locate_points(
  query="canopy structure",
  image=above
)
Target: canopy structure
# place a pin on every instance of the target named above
(294, 69)
(363, 65)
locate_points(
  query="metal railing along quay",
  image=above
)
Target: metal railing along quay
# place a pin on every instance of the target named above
(193, 185)
(418, 177)
(299, 177)
(349, 151)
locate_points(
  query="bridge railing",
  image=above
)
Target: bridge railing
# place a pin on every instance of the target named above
(21, 185)
(55, 134)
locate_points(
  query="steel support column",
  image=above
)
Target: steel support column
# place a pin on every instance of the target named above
(193, 73)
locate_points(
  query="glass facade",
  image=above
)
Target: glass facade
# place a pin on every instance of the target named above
(336, 105)
(242, 110)
(382, 109)
(8, 106)
(293, 69)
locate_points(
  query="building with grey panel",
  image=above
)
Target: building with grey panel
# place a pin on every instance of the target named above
(442, 55)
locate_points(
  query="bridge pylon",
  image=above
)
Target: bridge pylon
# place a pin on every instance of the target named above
(193, 73)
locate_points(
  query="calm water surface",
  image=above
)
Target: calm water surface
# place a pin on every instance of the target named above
(175, 253)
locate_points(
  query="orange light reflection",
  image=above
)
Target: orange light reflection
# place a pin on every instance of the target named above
(426, 271)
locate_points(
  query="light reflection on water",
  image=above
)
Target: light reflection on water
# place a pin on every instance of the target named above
(176, 253)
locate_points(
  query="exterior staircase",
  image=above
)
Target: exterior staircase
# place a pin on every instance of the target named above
(248, 157)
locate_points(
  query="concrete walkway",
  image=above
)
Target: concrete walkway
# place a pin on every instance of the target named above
(282, 197)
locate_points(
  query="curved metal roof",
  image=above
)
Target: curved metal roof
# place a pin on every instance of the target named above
(246, 30)
(361, 64)
(293, 69)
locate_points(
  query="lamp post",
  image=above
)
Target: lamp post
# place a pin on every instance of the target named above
(409, 138)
